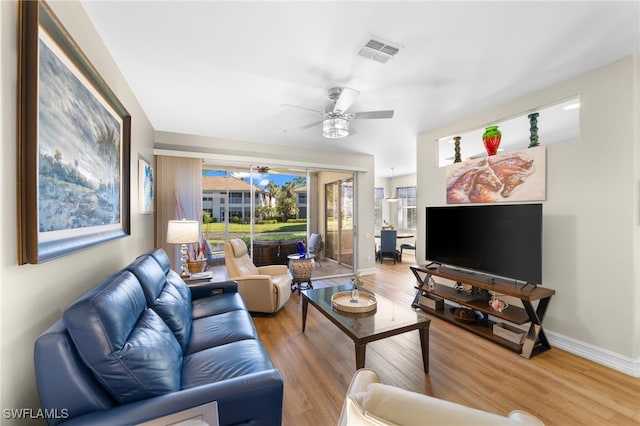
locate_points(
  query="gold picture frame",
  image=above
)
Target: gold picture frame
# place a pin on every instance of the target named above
(73, 145)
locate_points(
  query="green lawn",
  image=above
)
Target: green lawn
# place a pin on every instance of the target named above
(264, 232)
(239, 228)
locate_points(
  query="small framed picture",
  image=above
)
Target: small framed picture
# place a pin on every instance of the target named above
(145, 187)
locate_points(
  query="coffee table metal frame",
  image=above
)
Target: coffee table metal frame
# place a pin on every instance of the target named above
(362, 328)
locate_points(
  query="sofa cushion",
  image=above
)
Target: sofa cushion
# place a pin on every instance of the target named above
(161, 257)
(166, 294)
(128, 347)
(62, 377)
(224, 362)
(221, 329)
(218, 304)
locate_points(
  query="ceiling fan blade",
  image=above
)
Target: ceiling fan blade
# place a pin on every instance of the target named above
(346, 99)
(301, 107)
(306, 126)
(374, 114)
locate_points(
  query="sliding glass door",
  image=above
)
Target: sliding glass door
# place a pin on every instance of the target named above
(262, 206)
(339, 220)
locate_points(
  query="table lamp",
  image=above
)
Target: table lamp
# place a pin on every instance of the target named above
(183, 232)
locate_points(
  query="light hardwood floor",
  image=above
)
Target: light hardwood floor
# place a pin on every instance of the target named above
(317, 366)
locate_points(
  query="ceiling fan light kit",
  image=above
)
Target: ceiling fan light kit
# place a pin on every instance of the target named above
(334, 128)
(336, 122)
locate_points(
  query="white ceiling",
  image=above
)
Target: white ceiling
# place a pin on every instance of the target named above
(224, 69)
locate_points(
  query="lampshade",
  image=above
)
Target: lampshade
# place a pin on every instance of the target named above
(335, 128)
(183, 231)
(393, 198)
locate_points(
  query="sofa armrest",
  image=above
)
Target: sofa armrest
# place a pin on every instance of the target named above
(273, 270)
(251, 399)
(206, 289)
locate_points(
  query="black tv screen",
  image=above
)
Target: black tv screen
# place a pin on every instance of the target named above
(503, 240)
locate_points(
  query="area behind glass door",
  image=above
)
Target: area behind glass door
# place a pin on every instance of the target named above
(339, 220)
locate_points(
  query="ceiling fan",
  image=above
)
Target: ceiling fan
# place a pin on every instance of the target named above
(335, 121)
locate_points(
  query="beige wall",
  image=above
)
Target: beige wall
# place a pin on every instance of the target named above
(32, 296)
(591, 215)
(390, 210)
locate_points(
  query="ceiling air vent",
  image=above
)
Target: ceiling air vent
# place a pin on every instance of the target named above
(379, 51)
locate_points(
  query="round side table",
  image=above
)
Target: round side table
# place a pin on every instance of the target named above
(301, 270)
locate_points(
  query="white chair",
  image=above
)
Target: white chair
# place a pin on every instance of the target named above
(264, 288)
(369, 402)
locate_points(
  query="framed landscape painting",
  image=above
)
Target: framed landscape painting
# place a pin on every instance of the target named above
(73, 145)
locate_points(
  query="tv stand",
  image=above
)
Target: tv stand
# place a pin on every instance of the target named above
(535, 340)
(476, 276)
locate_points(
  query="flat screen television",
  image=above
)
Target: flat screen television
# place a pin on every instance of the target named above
(503, 240)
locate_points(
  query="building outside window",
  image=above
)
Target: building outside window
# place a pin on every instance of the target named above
(301, 199)
(235, 198)
(407, 211)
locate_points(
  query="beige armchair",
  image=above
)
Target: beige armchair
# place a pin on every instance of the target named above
(370, 402)
(264, 288)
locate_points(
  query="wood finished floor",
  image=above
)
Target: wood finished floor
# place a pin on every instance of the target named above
(317, 366)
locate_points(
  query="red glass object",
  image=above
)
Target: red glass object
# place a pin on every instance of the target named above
(491, 139)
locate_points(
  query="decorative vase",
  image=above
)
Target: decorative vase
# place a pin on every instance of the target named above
(456, 141)
(355, 293)
(491, 139)
(533, 129)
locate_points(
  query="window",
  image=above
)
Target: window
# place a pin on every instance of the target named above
(378, 199)
(407, 212)
(235, 198)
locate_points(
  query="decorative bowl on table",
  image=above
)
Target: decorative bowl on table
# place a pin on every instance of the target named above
(463, 314)
(343, 301)
(498, 305)
(196, 266)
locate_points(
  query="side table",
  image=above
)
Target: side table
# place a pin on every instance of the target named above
(301, 269)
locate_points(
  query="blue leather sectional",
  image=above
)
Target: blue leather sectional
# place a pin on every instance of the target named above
(142, 344)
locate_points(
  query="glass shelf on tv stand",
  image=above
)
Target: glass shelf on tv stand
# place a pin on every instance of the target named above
(535, 341)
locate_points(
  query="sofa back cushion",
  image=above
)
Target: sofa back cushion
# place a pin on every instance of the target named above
(64, 381)
(128, 347)
(161, 257)
(168, 295)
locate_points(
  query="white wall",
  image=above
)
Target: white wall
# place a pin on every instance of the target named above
(390, 210)
(591, 215)
(32, 296)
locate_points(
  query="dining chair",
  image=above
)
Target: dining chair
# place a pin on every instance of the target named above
(388, 244)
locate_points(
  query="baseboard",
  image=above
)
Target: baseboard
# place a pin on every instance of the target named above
(367, 271)
(598, 355)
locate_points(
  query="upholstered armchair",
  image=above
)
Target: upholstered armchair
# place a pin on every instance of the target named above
(369, 402)
(264, 288)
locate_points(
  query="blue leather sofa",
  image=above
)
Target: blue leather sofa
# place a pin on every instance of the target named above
(142, 345)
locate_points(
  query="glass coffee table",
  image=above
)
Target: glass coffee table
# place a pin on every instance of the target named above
(389, 319)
